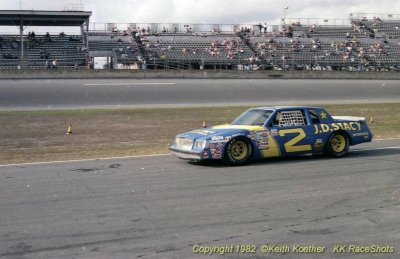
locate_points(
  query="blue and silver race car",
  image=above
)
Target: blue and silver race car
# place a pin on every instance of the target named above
(273, 132)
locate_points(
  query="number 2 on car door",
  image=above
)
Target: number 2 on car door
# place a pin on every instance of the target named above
(290, 146)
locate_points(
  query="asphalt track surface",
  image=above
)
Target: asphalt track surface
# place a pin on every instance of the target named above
(159, 206)
(71, 94)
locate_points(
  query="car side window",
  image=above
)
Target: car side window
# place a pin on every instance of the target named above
(289, 119)
(314, 117)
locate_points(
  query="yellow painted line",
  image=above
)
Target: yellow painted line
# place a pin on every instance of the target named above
(83, 160)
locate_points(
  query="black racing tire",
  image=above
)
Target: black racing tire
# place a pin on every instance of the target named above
(338, 144)
(238, 151)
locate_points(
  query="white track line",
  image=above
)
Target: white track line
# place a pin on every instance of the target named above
(125, 157)
(82, 160)
(380, 139)
(377, 148)
(144, 83)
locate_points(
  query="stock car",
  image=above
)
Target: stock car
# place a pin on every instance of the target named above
(279, 131)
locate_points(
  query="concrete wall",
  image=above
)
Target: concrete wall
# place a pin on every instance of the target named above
(212, 74)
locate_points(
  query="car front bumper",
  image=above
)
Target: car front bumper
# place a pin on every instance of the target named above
(186, 154)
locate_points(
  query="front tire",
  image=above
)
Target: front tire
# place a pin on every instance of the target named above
(238, 151)
(337, 145)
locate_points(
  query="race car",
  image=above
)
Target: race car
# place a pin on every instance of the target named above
(279, 131)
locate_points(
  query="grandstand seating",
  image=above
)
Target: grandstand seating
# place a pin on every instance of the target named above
(68, 51)
(389, 29)
(207, 49)
(364, 44)
(123, 48)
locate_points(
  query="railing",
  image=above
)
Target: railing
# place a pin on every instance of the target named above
(317, 21)
(74, 7)
(383, 16)
(171, 27)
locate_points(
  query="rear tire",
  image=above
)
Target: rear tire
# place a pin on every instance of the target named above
(337, 145)
(238, 151)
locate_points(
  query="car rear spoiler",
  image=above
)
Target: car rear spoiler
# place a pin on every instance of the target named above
(348, 118)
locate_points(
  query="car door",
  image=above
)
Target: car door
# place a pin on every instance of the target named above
(292, 131)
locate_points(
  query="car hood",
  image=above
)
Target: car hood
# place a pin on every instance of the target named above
(217, 131)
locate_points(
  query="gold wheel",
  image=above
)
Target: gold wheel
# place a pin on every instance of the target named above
(338, 143)
(239, 150)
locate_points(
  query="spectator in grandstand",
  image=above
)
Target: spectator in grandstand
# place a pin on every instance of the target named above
(47, 37)
(289, 32)
(44, 54)
(54, 64)
(14, 44)
(7, 56)
(70, 38)
(61, 35)
(83, 48)
(260, 27)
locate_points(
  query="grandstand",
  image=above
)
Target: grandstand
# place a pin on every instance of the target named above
(361, 44)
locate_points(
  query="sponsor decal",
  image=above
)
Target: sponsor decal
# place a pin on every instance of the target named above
(261, 134)
(318, 143)
(217, 138)
(360, 134)
(215, 146)
(263, 144)
(205, 155)
(252, 135)
(217, 154)
(324, 128)
(323, 115)
(227, 139)
(203, 132)
(238, 134)
(274, 132)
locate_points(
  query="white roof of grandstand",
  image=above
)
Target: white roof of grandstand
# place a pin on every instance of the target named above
(43, 18)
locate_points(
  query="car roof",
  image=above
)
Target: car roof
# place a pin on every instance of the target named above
(275, 108)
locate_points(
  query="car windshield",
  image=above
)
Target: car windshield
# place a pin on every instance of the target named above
(252, 117)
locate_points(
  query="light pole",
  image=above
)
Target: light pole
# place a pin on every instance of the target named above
(284, 15)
